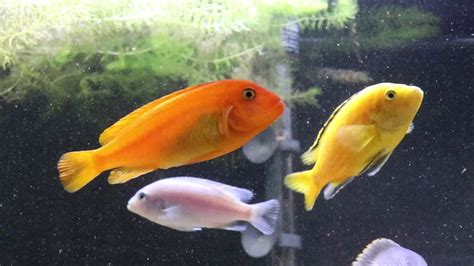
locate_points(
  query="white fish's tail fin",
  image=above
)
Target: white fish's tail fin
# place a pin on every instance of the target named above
(265, 216)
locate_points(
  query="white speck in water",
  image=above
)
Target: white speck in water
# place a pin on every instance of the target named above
(463, 170)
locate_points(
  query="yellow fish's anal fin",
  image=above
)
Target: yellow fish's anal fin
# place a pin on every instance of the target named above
(122, 175)
(334, 187)
(311, 155)
(356, 137)
(303, 182)
(112, 131)
(374, 166)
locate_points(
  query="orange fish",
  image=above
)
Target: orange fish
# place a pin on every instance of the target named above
(192, 125)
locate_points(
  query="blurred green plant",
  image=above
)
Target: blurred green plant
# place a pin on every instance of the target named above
(77, 52)
(387, 26)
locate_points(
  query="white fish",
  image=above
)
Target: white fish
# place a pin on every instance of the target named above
(190, 204)
(386, 252)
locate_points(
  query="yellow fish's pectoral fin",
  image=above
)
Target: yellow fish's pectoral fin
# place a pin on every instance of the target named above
(303, 182)
(111, 132)
(122, 175)
(334, 187)
(76, 169)
(356, 137)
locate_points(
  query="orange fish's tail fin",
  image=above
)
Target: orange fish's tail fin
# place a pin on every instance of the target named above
(76, 169)
(303, 182)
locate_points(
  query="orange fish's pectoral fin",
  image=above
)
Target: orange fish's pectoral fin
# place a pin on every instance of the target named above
(374, 166)
(111, 132)
(334, 187)
(303, 182)
(224, 122)
(122, 175)
(76, 169)
(356, 137)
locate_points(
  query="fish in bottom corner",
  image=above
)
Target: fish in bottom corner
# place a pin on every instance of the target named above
(386, 252)
(190, 204)
(358, 138)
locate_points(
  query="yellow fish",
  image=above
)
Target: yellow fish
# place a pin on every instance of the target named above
(358, 138)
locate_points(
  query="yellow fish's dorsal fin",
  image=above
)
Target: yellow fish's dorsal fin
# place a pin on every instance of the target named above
(356, 137)
(122, 175)
(310, 156)
(112, 131)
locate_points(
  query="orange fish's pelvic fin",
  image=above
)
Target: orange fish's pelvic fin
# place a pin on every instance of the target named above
(303, 182)
(122, 175)
(76, 169)
(334, 187)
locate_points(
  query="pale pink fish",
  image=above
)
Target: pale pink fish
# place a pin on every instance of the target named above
(190, 204)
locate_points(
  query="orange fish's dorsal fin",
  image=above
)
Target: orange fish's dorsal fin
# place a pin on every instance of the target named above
(310, 156)
(112, 131)
(122, 175)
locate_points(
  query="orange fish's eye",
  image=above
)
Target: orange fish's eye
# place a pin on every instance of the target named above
(248, 94)
(390, 95)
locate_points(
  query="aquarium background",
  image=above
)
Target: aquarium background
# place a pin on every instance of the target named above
(58, 96)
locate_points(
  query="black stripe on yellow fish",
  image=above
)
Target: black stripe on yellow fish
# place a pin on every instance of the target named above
(309, 157)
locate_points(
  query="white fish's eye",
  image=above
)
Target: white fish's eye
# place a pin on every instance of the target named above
(390, 95)
(141, 195)
(248, 94)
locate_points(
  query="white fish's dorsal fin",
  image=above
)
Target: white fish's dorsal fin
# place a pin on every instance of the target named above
(373, 250)
(310, 156)
(410, 128)
(241, 194)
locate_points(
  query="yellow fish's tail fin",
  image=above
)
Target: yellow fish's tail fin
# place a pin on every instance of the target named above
(303, 182)
(76, 169)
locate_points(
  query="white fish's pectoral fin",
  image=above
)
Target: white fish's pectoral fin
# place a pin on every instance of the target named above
(237, 226)
(333, 188)
(171, 213)
(244, 195)
(373, 250)
(356, 137)
(410, 128)
(374, 166)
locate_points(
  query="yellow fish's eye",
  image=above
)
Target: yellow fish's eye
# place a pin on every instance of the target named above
(248, 94)
(390, 95)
